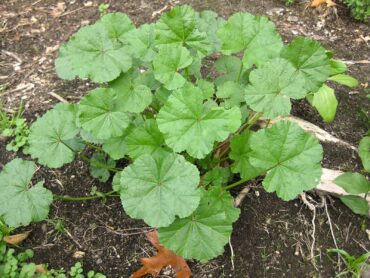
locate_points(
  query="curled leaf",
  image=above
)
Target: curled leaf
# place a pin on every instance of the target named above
(164, 257)
(16, 239)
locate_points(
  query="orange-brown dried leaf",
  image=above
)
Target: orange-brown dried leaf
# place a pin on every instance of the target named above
(318, 3)
(164, 257)
(40, 268)
(16, 239)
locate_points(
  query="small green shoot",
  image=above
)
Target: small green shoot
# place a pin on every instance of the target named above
(354, 266)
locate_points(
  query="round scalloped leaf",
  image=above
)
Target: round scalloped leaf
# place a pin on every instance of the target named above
(217, 176)
(22, 203)
(231, 92)
(353, 183)
(158, 188)
(209, 22)
(116, 147)
(272, 86)
(53, 137)
(255, 35)
(311, 61)
(364, 152)
(240, 153)
(100, 164)
(132, 96)
(357, 204)
(90, 53)
(290, 156)
(188, 124)
(102, 114)
(178, 27)
(117, 25)
(203, 234)
(166, 64)
(145, 139)
(140, 42)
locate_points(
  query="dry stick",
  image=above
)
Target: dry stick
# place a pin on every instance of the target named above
(232, 254)
(332, 232)
(58, 97)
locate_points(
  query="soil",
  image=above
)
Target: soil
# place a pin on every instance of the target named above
(272, 238)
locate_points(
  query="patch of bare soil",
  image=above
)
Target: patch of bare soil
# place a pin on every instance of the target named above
(272, 238)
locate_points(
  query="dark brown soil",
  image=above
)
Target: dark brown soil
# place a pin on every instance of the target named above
(272, 238)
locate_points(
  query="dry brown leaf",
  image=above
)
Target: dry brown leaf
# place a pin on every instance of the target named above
(58, 10)
(16, 239)
(164, 257)
(40, 268)
(318, 3)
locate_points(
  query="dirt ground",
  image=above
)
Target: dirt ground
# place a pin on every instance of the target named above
(272, 238)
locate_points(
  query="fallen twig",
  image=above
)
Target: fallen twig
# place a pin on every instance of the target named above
(58, 97)
(321, 134)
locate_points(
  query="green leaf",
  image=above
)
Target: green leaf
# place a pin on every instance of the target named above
(158, 188)
(209, 22)
(169, 60)
(271, 87)
(357, 204)
(364, 152)
(178, 27)
(208, 89)
(229, 66)
(22, 203)
(91, 53)
(188, 125)
(337, 67)
(100, 165)
(353, 183)
(141, 41)
(102, 114)
(311, 61)
(217, 176)
(344, 79)
(117, 25)
(232, 93)
(254, 35)
(203, 234)
(240, 153)
(116, 182)
(53, 137)
(291, 157)
(131, 95)
(88, 137)
(325, 102)
(116, 147)
(145, 139)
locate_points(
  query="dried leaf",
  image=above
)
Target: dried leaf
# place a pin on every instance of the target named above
(16, 239)
(40, 268)
(58, 10)
(318, 3)
(163, 258)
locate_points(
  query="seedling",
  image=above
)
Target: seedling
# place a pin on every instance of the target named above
(184, 140)
(15, 127)
(354, 266)
(356, 183)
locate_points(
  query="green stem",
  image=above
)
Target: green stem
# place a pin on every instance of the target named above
(240, 72)
(85, 198)
(227, 187)
(93, 146)
(186, 71)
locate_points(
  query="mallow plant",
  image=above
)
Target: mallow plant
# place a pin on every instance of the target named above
(177, 103)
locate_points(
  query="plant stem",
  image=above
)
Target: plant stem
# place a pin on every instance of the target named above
(186, 71)
(227, 187)
(93, 146)
(85, 198)
(240, 72)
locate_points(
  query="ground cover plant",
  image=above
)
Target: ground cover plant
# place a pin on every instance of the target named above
(184, 138)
